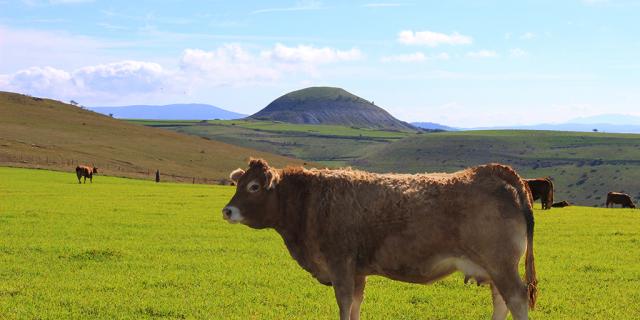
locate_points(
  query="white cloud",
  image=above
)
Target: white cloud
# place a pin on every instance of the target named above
(432, 39)
(40, 81)
(229, 64)
(482, 54)
(517, 53)
(310, 54)
(125, 77)
(528, 36)
(415, 57)
(106, 80)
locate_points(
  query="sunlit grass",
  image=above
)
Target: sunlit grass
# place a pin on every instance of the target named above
(129, 249)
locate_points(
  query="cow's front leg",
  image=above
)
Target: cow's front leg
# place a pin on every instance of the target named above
(342, 278)
(358, 296)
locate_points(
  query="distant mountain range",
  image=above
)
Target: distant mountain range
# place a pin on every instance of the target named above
(329, 105)
(613, 123)
(191, 111)
(433, 126)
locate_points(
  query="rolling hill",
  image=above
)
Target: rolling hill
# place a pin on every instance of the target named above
(190, 111)
(584, 166)
(328, 105)
(45, 133)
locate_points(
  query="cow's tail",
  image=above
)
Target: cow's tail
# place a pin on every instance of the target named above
(509, 175)
(530, 267)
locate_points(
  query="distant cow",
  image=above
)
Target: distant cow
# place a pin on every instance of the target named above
(86, 172)
(561, 204)
(343, 225)
(541, 188)
(623, 199)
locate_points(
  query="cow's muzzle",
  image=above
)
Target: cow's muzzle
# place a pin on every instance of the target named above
(231, 214)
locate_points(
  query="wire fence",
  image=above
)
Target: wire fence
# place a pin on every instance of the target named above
(124, 169)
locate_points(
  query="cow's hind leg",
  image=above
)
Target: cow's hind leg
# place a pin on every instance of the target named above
(358, 296)
(513, 291)
(500, 309)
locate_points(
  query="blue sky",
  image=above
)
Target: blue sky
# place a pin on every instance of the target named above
(461, 63)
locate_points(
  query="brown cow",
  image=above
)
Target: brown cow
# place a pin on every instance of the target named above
(561, 204)
(541, 188)
(619, 198)
(86, 172)
(343, 225)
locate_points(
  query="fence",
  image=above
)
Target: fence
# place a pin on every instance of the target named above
(127, 170)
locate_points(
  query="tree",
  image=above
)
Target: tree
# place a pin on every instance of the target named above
(73, 102)
(111, 115)
(595, 130)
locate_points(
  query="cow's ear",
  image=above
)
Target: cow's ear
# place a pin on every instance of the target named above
(236, 175)
(273, 177)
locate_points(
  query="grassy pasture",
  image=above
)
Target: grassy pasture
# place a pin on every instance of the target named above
(130, 249)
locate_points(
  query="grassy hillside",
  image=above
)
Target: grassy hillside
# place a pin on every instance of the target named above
(327, 144)
(46, 133)
(584, 166)
(140, 250)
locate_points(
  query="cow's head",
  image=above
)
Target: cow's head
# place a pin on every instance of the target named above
(255, 202)
(95, 170)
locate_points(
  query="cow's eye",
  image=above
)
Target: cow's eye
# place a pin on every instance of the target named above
(253, 187)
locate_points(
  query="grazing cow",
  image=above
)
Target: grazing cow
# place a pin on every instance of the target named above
(541, 188)
(561, 204)
(343, 225)
(86, 172)
(623, 199)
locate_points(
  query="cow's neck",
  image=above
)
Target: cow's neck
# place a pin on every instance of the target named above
(293, 193)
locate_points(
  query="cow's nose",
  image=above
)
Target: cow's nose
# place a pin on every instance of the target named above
(226, 212)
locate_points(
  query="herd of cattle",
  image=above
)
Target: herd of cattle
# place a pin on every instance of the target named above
(539, 188)
(542, 188)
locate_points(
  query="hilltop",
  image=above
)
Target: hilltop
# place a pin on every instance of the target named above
(189, 111)
(329, 105)
(45, 133)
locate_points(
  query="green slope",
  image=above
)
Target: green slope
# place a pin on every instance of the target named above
(49, 134)
(584, 166)
(140, 250)
(329, 145)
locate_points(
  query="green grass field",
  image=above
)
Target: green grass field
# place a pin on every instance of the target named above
(130, 249)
